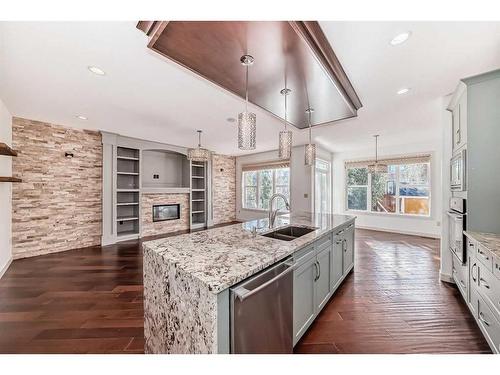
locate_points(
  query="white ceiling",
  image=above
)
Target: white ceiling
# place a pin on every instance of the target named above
(44, 76)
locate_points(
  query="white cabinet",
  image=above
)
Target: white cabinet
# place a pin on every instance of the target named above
(337, 262)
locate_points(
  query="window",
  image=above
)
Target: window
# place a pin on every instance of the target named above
(322, 187)
(260, 184)
(404, 190)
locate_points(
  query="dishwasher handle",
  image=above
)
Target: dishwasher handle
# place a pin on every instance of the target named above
(242, 293)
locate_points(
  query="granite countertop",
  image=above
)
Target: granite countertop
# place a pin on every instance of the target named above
(222, 257)
(490, 241)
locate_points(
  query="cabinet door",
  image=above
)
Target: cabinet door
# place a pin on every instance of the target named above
(456, 127)
(303, 297)
(336, 262)
(322, 290)
(462, 121)
(348, 259)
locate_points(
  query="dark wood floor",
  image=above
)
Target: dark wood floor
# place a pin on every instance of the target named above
(90, 301)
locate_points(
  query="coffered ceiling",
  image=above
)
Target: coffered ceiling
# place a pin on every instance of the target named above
(44, 76)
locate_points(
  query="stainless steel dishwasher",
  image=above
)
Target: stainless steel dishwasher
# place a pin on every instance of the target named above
(262, 312)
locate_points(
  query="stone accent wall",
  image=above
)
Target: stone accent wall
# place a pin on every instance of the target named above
(57, 207)
(224, 188)
(150, 228)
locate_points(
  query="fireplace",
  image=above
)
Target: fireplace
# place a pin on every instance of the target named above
(162, 212)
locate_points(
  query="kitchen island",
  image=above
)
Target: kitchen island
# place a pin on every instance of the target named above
(187, 277)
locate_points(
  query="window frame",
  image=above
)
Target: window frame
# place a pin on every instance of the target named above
(258, 186)
(328, 173)
(397, 195)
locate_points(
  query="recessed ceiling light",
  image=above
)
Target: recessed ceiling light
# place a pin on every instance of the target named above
(403, 91)
(96, 70)
(400, 38)
(80, 117)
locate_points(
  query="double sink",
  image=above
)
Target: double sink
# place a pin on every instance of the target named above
(289, 233)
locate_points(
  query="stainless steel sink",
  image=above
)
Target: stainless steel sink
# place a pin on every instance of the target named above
(289, 233)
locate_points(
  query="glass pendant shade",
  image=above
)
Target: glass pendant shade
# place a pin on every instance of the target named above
(199, 153)
(376, 167)
(247, 121)
(310, 150)
(285, 144)
(247, 129)
(310, 154)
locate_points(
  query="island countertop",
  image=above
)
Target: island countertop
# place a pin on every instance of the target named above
(221, 257)
(490, 241)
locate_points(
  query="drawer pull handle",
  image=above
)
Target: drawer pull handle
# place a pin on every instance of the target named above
(486, 285)
(474, 266)
(463, 284)
(481, 316)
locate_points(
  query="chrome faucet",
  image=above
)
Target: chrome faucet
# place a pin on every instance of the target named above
(273, 213)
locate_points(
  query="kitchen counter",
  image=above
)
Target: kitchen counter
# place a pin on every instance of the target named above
(490, 241)
(186, 277)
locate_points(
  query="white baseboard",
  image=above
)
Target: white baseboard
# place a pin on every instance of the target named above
(410, 233)
(4, 269)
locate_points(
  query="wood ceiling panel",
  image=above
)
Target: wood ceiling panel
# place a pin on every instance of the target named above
(295, 54)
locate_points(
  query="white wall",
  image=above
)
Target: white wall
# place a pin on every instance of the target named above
(301, 181)
(5, 192)
(429, 226)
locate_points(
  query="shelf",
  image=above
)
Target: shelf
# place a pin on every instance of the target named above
(127, 190)
(128, 173)
(197, 212)
(197, 166)
(7, 151)
(197, 189)
(127, 218)
(127, 158)
(197, 176)
(10, 179)
(128, 204)
(198, 200)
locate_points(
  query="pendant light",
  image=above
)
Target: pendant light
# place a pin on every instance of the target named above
(310, 151)
(199, 153)
(285, 136)
(377, 167)
(247, 121)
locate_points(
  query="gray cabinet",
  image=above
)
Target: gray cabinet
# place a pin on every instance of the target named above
(458, 109)
(348, 259)
(304, 304)
(322, 290)
(337, 262)
(319, 270)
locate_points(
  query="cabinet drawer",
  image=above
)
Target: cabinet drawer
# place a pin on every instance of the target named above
(460, 276)
(303, 255)
(489, 287)
(471, 248)
(484, 256)
(496, 268)
(323, 242)
(489, 324)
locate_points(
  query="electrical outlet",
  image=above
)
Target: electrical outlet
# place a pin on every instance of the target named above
(306, 195)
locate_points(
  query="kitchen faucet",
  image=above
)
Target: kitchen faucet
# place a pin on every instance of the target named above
(273, 213)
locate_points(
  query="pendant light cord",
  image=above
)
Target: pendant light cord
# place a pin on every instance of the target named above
(286, 94)
(199, 138)
(310, 128)
(246, 90)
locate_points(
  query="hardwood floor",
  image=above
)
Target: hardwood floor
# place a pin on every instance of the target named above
(90, 301)
(393, 302)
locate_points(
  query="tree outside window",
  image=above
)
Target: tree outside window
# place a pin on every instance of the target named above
(404, 190)
(260, 185)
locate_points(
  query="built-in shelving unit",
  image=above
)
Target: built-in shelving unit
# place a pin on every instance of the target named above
(127, 192)
(7, 151)
(198, 204)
